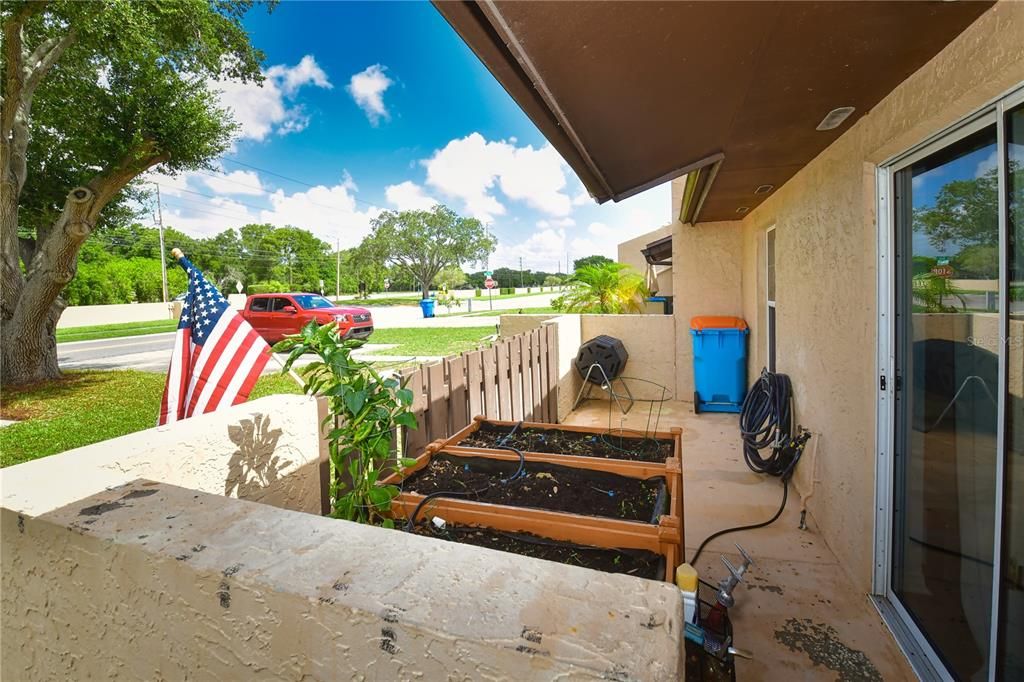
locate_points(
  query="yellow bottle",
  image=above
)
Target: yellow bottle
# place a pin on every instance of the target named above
(686, 581)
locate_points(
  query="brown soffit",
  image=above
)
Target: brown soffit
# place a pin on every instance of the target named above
(633, 94)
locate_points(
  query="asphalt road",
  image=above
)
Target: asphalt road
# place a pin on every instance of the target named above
(152, 353)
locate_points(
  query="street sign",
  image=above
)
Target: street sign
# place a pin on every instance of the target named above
(488, 274)
(490, 283)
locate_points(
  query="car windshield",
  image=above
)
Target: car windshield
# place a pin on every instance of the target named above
(312, 302)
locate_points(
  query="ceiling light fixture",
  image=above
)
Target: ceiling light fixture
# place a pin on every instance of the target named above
(742, 209)
(835, 118)
(764, 189)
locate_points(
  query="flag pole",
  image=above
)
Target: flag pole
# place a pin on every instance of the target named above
(178, 254)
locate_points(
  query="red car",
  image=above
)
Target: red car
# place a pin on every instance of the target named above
(275, 316)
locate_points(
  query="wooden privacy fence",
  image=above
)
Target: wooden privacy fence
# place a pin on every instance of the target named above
(515, 379)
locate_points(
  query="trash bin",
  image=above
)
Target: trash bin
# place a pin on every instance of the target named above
(719, 363)
(427, 306)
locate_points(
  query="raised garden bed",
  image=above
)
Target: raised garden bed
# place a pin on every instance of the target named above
(636, 562)
(479, 488)
(616, 444)
(581, 441)
(541, 485)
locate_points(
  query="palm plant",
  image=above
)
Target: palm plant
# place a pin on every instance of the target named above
(603, 289)
(932, 290)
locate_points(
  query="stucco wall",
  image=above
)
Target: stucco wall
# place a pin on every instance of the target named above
(826, 279)
(266, 450)
(86, 315)
(629, 254)
(649, 340)
(708, 269)
(152, 581)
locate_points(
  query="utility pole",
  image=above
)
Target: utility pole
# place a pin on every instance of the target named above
(521, 285)
(163, 256)
(337, 276)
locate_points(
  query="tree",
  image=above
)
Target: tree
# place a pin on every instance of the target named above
(450, 277)
(94, 95)
(552, 281)
(604, 289)
(422, 243)
(590, 260)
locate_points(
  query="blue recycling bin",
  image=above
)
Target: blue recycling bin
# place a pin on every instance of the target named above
(719, 363)
(427, 306)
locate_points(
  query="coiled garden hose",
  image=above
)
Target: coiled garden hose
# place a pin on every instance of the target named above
(767, 421)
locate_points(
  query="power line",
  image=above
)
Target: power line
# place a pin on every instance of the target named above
(285, 177)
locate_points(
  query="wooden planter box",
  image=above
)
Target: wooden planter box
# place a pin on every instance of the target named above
(663, 537)
(672, 463)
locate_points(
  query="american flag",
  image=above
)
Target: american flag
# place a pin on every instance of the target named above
(217, 356)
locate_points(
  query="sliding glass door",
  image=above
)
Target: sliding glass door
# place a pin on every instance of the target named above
(947, 232)
(952, 557)
(1010, 628)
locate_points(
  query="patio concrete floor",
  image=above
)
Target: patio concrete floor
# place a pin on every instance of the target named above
(797, 611)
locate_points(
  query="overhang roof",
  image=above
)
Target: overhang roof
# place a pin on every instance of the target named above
(633, 94)
(658, 252)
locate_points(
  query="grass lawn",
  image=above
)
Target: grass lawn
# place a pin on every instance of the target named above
(89, 406)
(514, 311)
(431, 340)
(109, 331)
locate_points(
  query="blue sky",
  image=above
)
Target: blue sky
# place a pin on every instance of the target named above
(378, 106)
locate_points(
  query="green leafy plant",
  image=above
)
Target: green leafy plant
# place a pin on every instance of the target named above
(448, 300)
(365, 410)
(931, 291)
(607, 288)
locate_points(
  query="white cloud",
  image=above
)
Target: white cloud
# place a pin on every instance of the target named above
(408, 196)
(329, 212)
(543, 250)
(306, 72)
(235, 182)
(471, 168)
(269, 108)
(987, 164)
(616, 223)
(170, 185)
(367, 88)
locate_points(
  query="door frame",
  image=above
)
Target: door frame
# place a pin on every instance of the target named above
(771, 322)
(923, 657)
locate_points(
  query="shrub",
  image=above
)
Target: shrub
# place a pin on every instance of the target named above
(366, 409)
(477, 292)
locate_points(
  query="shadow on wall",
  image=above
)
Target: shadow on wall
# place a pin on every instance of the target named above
(253, 467)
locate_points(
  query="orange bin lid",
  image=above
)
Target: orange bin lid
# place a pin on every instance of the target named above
(702, 322)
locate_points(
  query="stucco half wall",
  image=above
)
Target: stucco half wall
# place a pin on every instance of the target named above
(826, 245)
(152, 581)
(649, 340)
(266, 450)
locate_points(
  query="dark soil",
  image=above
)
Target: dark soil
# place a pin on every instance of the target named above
(543, 486)
(614, 445)
(638, 562)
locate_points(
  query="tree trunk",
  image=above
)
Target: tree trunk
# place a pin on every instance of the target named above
(28, 341)
(425, 288)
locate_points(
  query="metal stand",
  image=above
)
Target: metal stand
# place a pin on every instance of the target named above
(606, 384)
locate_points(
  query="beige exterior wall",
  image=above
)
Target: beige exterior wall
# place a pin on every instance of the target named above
(708, 265)
(649, 340)
(266, 450)
(629, 254)
(86, 315)
(152, 581)
(826, 272)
